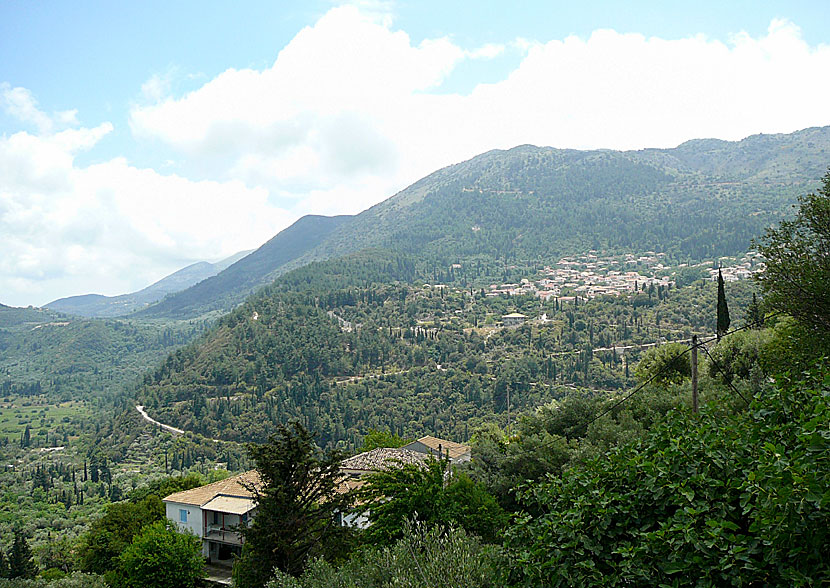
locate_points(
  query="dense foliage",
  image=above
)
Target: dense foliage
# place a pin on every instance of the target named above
(428, 493)
(424, 557)
(162, 557)
(297, 499)
(798, 261)
(737, 499)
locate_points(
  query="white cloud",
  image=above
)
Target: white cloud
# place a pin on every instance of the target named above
(488, 51)
(20, 103)
(111, 228)
(351, 103)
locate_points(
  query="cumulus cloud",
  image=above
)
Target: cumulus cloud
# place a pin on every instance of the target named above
(110, 227)
(352, 103)
(20, 103)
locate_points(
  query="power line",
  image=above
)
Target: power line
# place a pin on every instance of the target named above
(725, 377)
(670, 364)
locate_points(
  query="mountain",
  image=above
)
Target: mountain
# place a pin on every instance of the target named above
(703, 199)
(232, 285)
(96, 305)
(386, 321)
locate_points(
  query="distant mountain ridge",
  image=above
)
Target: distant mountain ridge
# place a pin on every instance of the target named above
(232, 285)
(99, 306)
(702, 199)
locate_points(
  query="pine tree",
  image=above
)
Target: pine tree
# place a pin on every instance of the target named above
(723, 309)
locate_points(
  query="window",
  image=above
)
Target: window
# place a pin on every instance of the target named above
(182, 515)
(215, 518)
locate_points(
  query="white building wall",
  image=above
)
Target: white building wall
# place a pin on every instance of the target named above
(194, 522)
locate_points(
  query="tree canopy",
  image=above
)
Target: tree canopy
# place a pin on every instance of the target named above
(162, 557)
(797, 254)
(297, 501)
(428, 493)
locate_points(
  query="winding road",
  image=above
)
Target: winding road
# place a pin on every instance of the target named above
(150, 419)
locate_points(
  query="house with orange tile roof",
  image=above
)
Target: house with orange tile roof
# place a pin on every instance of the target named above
(214, 512)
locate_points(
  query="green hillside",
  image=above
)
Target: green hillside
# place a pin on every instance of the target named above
(361, 343)
(701, 200)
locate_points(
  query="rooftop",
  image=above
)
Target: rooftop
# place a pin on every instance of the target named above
(382, 458)
(449, 449)
(232, 486)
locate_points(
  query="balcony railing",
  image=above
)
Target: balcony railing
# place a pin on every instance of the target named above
(223, 535)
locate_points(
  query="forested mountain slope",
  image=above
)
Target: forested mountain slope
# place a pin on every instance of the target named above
(703, 199)
(360, 342)
(72, 358)
(97, 305)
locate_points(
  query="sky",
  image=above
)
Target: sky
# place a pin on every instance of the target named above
(139, 137)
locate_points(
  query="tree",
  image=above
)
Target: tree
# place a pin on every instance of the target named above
(705, 496)
(667, 364)
(754, 315)
(4, 565)
(797, 255)
(112, 533)
(374, 439)
(395, 496)
(297, 502)
(425, 556)
(26, 438)
(162, 557)
(723, 309)
(21, 562)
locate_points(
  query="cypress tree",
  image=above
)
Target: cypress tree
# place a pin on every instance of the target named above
(4, 565)
(21, 563)
(754, 315)
(723, 309)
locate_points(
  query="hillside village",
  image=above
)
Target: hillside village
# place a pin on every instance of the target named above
(594, 274)
(591, 275)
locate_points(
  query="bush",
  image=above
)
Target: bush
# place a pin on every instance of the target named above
(424, 557)
(161, 557)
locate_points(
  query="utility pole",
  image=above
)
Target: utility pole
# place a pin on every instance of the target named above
(694, 374)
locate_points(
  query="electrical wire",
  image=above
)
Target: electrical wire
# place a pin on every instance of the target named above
(666, 367)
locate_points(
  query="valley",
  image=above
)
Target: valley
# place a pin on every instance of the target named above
(513, 301)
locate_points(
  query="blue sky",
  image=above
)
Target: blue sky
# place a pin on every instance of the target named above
(139, 137)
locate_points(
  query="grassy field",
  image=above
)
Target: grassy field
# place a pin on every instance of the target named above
(39, 414)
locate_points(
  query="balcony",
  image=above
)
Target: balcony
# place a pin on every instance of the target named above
(223, 535)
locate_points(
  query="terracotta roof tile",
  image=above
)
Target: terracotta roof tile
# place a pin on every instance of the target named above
(228, 487)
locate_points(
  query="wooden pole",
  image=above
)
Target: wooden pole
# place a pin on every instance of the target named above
(694, 374)
(508, 411)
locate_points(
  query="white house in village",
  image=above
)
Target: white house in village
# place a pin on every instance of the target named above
(514, 319)
(215, 511)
